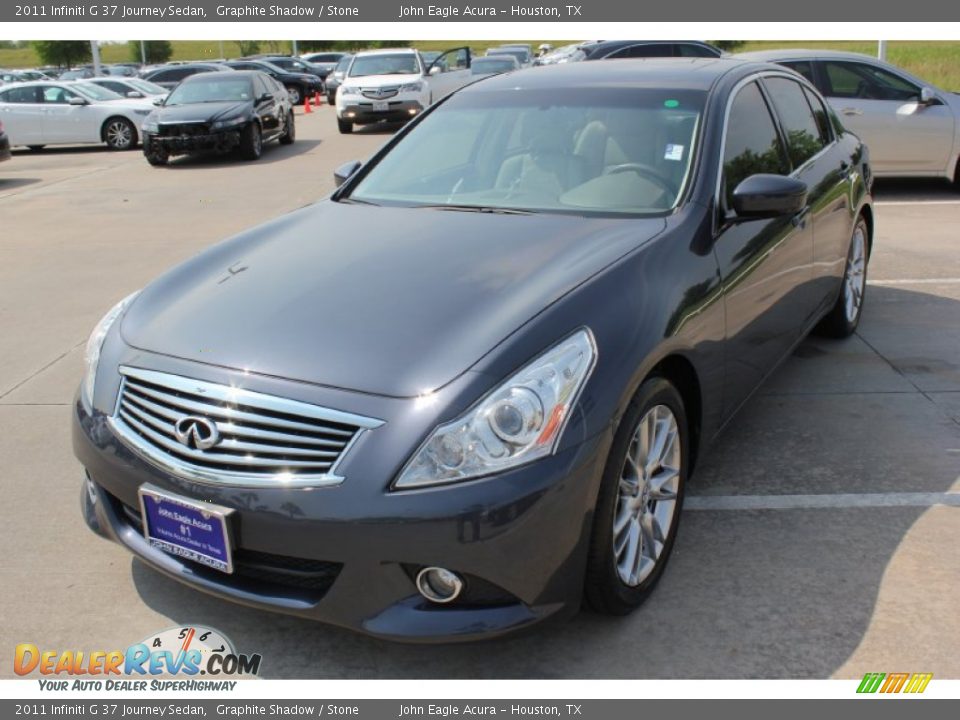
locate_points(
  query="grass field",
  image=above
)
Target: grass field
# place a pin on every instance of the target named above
(935, 61)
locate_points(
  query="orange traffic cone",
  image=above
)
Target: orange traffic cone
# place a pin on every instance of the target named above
(316, 99)
(306, 105)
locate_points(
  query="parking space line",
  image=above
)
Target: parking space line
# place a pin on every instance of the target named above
(810, 502)
(916, 202)
(917, 281)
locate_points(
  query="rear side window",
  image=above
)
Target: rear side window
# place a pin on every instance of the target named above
(752, 144)
(19, 95)
(170, 75)
(688, 50)
(803, 67)
(804, 135)
(643, 51)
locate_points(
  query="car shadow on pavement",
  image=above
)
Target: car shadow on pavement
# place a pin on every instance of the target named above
(380, 128)
(762, 593)
(914, 189)
(272, 152)
(7, 184)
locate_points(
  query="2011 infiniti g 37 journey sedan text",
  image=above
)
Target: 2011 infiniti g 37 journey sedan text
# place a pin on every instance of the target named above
(482, 403)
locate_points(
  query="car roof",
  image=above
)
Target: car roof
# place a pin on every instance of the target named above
(387, 51)
(226, 71)
(675, 73)
(801, 54)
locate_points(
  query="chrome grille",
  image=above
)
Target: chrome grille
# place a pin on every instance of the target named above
(263, 440)
(381, 93)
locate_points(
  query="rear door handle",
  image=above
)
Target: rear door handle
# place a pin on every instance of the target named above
(852, 111)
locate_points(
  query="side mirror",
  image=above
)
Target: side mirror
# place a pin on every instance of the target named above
(346, 171)
(266, 97)
(927, 95)
(77, 101)
(134, 94)
(158, 101)
(434, 70)
(769, 196)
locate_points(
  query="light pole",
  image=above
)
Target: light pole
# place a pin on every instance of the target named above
(95, 51)
(143, 52)
(882, 49)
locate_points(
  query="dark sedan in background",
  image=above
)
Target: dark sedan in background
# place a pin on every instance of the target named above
(169, 76)
(468, 389)
(219, 112)
(299, 85)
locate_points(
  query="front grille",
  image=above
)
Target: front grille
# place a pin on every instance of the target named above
(379, 93)
(187, 129)
(263, 439)
(263, 568)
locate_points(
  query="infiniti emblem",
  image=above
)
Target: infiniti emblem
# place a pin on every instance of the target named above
(197, 432)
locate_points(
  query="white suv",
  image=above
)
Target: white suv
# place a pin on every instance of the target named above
(396, 85)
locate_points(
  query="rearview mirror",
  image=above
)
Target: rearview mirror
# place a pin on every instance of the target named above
(77, 101)
(769, 196)
(927, 95)
(346, 171)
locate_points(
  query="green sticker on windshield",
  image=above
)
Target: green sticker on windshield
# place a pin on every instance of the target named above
(671, 103)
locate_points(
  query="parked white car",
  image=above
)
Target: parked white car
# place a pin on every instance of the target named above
(130, 87)
(396, 85)
(61, 113)
(911, 127)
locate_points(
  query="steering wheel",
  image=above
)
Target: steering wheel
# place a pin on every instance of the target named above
(646, 171)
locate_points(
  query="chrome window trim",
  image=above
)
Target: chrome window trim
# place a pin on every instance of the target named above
(234, 478)
(789, 75)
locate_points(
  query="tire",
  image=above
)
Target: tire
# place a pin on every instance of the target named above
(157, 157)
(331, 98)
(36, 148)
(344, 126)
(296, 95)
(251, 142)
(119, 134)
(289, 130)
(634, 505)
(844, 316)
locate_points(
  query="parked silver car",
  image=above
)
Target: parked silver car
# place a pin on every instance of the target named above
(911, 127)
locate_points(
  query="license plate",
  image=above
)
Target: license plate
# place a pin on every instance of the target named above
(381, 105)
(197, 531)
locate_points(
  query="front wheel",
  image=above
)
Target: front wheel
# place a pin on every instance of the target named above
(344, 126)
(251, 142)
(296, 97)
(119, 134)
(157, 157)
(641, 494)
(289, 130)
(843, 318)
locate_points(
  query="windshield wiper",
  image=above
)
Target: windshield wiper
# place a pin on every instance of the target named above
(479, 209)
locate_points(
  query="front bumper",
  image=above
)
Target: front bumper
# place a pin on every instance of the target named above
(347, 555)
(223, 141)
(362, 112)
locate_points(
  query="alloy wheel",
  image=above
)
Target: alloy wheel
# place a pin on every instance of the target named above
(119, 135)
(647, 501)
(854, 280)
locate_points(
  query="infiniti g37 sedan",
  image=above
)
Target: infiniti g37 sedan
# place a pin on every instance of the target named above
(481, 405)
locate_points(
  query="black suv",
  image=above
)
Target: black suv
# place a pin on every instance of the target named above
(220, 112)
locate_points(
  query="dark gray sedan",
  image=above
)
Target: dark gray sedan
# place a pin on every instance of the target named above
(468, 389)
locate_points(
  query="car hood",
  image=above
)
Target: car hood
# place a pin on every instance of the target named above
(131, 103)
(200, 112)
(390, 301)
(382, 80)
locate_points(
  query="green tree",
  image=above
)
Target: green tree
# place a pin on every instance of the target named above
(249, 47)
(62, 53)
(728, 45)
(157, 51)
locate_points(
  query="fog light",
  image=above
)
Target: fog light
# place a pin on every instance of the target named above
(91, 491)
(412, 111)
(350, 114)
(439, 585)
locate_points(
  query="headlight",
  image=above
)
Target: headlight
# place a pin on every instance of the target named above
(412, 87)
(95, 344)
(349, 90)
(518, 422)
(232, 122)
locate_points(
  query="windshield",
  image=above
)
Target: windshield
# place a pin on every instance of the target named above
(95, 92)
(481, 66)
(211, 89)
(600, 150)
(399, 64)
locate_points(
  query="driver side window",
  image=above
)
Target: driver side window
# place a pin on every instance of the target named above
(867, 82)
(752, 144)
(57, 95)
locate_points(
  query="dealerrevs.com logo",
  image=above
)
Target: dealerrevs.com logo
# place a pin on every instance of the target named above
(186, 652)
(889, 683)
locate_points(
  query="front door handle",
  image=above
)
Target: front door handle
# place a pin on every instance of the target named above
(852, 111)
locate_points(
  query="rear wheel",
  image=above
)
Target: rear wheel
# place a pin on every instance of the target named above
(344, 126)
(638, 508)
(296, 97)
(251, 142)
(119, 134)
(843, 318)
(289, 130)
